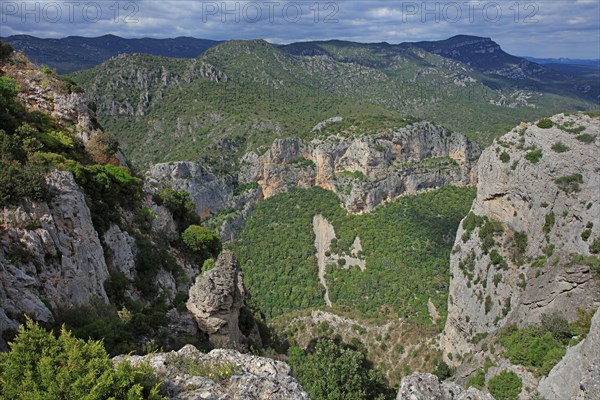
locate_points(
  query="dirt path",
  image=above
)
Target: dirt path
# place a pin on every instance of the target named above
(324, 234)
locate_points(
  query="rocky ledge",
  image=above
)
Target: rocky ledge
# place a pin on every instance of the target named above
(189, 374)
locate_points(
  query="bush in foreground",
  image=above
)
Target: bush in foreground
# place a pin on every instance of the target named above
(42, 366)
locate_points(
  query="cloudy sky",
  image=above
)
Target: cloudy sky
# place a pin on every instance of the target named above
(547, 28)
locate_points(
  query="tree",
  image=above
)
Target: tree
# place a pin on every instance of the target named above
(202, 240)
(42, 366)
(334, 371)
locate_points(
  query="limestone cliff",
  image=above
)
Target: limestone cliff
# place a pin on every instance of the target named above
(50, 255)
(368, 170)
(519, 253)
(529, 246)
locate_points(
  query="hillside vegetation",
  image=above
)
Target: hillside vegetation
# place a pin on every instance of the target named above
(240, 95)
(406, 245)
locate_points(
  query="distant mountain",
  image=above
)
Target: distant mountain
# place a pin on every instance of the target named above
(241, 95)
(565, 61)
(75, 53)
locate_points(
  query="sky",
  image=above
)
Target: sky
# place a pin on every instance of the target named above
(547, 28)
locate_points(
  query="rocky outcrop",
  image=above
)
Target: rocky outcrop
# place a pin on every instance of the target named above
(215, 301)
(526, 248)
(221, 374)
(50, 255)
(368, 170)
(577, 375)
(428, 387)
(208, 192)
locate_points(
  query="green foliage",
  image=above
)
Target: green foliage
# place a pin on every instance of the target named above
(586, 138)
(560, 147)
(180, 205)
(406, 246)
(534, 156)
(558, 326)
(333, 371)
(569, 183)
(477, 380)
(216, 370)
(304, 163)
(545, 123)
(533, 347)
(19, 181)
(208, 265)
(549, 222)
(8, 91)
(41, 366)
(5, 50)
(505, 386)
(443, 371)
(202, 240)
(153, 256)
(504, 157)
(595, 246)
(354, 175)
(46, 70)
(107, 187)
(487, 232)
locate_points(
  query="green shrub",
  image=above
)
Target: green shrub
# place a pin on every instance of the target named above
(569, 183)
(586, 138)
(334, 371)
(478, 380)
(202, 240)
(533, 348)
(549, 222)
(5, 50)
(545, 123)
(443, 371)
(180, 205)
(21, 181)
(41, 366)
(216, 370)
(560, 147)
(595, 246)
(505, 386)
(504, 157)
(534, 156)
(558, 326)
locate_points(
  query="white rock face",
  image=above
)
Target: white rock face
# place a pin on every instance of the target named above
(554, 203)
(122, 251)
(368, 170)
(252, 377)
(50, 255)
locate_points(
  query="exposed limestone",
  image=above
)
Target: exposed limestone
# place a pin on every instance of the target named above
(504, 285)
(208, 192)
(577, 375)
(122, 251)
(215, 300)
(50, 255)
(428, 387)
(252, 377)
(324, 234)
(368, 170)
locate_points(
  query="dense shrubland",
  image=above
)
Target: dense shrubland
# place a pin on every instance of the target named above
(406, 245)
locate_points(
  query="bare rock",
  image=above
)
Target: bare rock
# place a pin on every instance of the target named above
(368, 170)
(249, 377)
(549, 202)
(208, 192)
(215, 301)
(428, 387)
(50, 255)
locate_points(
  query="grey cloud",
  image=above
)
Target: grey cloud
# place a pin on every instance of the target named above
(562, 28)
